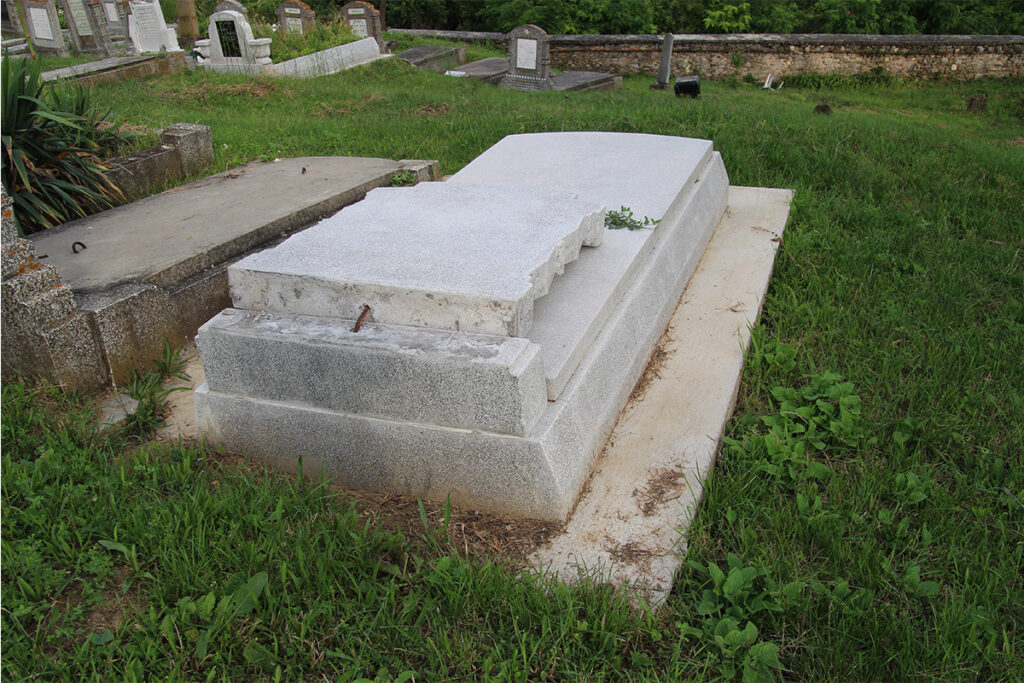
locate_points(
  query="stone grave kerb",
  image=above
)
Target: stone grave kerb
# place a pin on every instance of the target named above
(43, 27)
(80, 26)
(529, 65)
(295, 16)
(232, 42)
(363, 19)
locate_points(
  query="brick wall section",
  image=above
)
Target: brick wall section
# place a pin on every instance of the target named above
(716, 56)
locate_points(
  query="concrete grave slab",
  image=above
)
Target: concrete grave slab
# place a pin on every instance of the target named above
(489, 70)
(467, 381)
(655, 176)
(433, 57)
(448, 256)
(585, 80)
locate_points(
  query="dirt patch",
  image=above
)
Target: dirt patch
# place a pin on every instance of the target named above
(659, 356)
(433, 110)
(113, 607)
(1017, 142)
(662, 486)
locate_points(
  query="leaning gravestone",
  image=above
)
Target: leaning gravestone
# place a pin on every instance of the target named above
(295, 16)
(363, 19)
(473, 339)
(43, 26)
(148, 30)
(528, 61)
(80, 25)
(665, 65)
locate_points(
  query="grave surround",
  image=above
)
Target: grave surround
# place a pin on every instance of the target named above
(505, 458)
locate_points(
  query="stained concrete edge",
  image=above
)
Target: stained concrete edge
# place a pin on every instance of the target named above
(629, 528)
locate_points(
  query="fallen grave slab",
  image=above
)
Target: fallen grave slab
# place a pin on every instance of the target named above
(489, 70)
(585, 80)
(538, 474)
(438, 58)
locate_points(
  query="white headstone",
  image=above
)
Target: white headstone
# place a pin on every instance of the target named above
(111, 10)
(148, 30)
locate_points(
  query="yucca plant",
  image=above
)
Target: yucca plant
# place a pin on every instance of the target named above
(54, 142)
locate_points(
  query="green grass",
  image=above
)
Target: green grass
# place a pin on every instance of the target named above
(51, 62)
(866, 517)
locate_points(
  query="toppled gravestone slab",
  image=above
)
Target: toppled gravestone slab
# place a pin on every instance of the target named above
(461, 258)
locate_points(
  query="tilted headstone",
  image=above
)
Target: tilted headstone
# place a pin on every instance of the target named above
(9, 20)
(148, 30)
(43, 26)
(232, 5)
(528, 61)
(232, 47)
(363, 19)
(665, 65)
(102, 36)
(295, 16)
(114, 18)
(80, 25)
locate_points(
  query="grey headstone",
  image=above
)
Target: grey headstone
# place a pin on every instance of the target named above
(9, 20)
(43, 26)
(363, 19)
(665, 65)
(295, 16)
(528, 61)
(80, 26)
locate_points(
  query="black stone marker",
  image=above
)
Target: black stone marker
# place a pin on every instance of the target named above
(687, 85)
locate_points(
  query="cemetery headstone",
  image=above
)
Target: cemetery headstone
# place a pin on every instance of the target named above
(665, 65)
(43, 26)
(148, 30)
(101, 32)
(295, 16)
(113, 19)
(232, 5)
(232, 47)
(363, 19)
(9, 20)
(528, 61)
(80, 26)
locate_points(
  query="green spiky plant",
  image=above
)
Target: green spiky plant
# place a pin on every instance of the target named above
(54, 142)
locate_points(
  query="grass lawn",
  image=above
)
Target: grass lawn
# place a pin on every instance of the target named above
(866, 517)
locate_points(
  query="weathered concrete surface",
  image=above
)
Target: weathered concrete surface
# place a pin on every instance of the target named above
(329, 61)
(630, 526)
(654, 176)
(489, 70)
(434, 57)
(442, 255)
(467, 381)
(156, 268)
(585, 80)
(121, 69)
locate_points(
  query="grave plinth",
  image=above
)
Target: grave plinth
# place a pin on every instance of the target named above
(389, 346)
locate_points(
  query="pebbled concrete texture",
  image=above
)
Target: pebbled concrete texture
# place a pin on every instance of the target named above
(469, 258)
(539, 475)
(465, 381)
(630, 526)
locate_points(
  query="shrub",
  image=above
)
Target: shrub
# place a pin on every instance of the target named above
(54, 141)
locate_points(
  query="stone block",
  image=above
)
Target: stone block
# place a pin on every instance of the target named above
(454, 257)
(463, 380)
(194, 143)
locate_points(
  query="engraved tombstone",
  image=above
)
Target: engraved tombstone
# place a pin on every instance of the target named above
(232, 47)
(148, 30)
(295, 16)
(363, 19)
(43, 27)
(528, 61)
(83, 33)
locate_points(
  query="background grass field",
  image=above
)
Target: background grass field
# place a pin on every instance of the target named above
(866, 517)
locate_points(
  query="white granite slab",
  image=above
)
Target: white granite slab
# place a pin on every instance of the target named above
(655, 176)
(457, 257)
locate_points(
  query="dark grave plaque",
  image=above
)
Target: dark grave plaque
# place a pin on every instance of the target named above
(228, 36)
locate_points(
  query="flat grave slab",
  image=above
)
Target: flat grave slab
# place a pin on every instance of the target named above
(456, 257)
(654, 176)
(489, 70)
(585, 80)
(433, 57)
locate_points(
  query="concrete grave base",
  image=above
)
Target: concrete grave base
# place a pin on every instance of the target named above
(371, 444)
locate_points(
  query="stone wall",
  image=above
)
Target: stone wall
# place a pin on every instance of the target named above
(721, 56)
